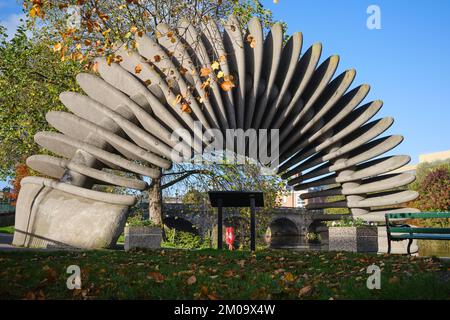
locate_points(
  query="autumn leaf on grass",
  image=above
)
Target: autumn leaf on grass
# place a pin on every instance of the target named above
(229, 273)
(39, 295)
(204, 290)
(133, 29)
(157, 58)
(289, 277)
(393, 280)
(305, 291)
(213, 296)
(158, 277)
(191, 280)
(51, 273)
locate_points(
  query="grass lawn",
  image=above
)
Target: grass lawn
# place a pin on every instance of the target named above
(209, 274)
(9, 230)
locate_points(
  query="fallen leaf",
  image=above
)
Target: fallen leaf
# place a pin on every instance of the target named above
(305, 291)
(228, 273)
(213, 296)
(393, 279)
(158, 277)
(204, 290)
(289, 277)
(191, 280)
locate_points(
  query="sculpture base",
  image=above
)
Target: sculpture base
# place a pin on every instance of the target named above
(50, 218)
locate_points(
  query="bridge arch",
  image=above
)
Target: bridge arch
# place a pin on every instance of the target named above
(180, 224)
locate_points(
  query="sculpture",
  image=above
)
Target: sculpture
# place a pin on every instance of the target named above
(126, 119)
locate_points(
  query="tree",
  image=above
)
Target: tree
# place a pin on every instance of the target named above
(31, 79)
(84, 29)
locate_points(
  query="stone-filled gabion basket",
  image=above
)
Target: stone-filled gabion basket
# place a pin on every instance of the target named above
(353, 239)
(142, 237)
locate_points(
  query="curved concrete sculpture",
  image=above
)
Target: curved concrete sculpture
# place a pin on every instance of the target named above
(126, 120)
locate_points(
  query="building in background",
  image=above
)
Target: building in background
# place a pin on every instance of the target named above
(292, 199)
(428, 157)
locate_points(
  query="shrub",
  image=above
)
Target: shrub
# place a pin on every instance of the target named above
(435, 191)
(184, 240)
(137, 220)
(349, 222)
(433, 185)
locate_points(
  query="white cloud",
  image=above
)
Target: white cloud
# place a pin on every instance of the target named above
(12, 22)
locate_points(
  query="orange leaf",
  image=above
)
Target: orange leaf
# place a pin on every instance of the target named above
(213, 297)
(137, 68)
(185, 107)
(158, 277)
(251, 40)
(57, 47)
(95, 67)
(157, 58)
(227, 85)
(289, 277)
(204, 72)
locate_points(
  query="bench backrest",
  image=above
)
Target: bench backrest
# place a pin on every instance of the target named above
(418, 215)
(393, 228)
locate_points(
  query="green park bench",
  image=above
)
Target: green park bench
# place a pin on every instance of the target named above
(399, 232)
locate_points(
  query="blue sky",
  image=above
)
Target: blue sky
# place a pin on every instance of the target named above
(407, 62)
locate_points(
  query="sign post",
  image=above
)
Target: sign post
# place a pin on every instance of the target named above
(220, 199)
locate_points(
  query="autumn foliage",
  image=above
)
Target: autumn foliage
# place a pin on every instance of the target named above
(435, 191)
(21, 171)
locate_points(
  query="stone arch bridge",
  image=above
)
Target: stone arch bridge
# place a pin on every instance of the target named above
(281, 221)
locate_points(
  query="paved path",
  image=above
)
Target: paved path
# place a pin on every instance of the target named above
(5, 242)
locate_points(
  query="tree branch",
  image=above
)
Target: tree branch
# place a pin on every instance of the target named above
(185, 175)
